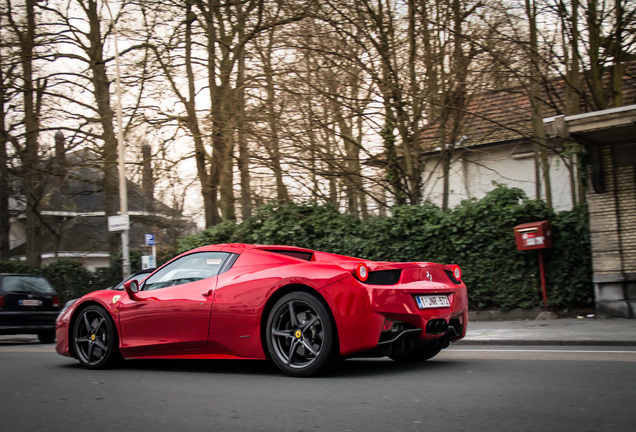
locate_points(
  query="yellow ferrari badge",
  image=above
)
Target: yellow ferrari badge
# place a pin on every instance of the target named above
(116, 299)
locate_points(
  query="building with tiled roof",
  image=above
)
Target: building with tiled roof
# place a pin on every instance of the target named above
(495, 145)
(74, 221)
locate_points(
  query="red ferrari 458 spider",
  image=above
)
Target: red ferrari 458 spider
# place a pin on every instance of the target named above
(303, 309)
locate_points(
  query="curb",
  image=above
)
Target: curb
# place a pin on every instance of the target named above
(510, 315)
(536, 342)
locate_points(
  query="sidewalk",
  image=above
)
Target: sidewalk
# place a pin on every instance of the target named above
(562, 331)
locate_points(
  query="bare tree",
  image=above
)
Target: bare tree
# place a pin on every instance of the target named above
(21, 28)
(4, 160)
(536, 100)
(272, 106)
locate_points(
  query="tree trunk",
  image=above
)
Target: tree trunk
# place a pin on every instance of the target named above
(208, 184)
(617, 53)
(4, 173)
(573, 102)
(538, 134)
(241, 132)
(33, 182)
(596, 68)
(101, 85)
(393, 172)
(220, 181)
(273, 120)
(147, 178)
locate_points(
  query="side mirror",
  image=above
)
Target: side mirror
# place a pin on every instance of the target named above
(131, 287)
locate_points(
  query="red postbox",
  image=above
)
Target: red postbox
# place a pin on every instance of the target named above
(533, 235)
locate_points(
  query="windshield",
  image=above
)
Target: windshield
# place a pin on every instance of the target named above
(140, 276)
(188, 268)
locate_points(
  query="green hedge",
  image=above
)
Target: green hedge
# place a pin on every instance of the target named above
(477, 234)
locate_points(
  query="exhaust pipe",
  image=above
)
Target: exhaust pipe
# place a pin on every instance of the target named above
(436, 326)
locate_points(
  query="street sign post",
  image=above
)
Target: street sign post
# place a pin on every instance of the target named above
(150, 241)
(118, 223)
(147, 261)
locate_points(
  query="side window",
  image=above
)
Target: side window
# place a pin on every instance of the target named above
(187, 269)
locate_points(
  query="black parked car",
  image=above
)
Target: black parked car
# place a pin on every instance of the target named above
(28, 305)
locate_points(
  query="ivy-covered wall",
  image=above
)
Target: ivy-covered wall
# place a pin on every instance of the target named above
(477, 235)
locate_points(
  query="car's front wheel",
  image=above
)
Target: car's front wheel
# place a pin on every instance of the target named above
(95, 339)
(301, 338)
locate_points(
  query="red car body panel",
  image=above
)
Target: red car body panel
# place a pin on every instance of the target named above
(144, 324)
(223, 316)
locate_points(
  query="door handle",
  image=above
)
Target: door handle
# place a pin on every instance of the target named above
(207, 294)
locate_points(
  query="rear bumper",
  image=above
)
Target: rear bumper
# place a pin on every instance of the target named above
(360, 312)
(26, 329)
(26, 322)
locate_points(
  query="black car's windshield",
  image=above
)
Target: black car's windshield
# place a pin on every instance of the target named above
(26, 285)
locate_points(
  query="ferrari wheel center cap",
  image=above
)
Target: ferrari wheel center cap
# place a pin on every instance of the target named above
(298, 334)
(93, 337)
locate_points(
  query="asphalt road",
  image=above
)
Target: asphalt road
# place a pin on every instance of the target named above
(463, 389)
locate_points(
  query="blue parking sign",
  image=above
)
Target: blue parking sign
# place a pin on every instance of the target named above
(150, 239)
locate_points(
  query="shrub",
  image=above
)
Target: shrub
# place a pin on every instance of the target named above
(478, 235)
(69, 278)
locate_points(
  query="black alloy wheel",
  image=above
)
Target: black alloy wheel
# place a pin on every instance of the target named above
(95, 339)
(300, 336)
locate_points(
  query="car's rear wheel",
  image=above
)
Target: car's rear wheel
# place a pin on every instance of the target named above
(301, 339)
(95, 339)
(420, 354)
(47, 337)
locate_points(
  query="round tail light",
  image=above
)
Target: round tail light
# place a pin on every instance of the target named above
(457, 272)
(362, 271)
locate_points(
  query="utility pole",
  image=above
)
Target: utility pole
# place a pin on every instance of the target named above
(123, 190)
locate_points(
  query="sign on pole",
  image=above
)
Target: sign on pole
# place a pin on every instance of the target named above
(150, 241)
(147, 261)
(118, 223)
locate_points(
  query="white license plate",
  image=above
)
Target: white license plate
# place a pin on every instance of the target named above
(432, 301)
(28, 302)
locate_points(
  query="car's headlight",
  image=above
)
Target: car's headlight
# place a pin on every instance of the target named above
(67, 305)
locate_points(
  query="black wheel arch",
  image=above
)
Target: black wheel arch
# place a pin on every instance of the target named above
(280, 293)
(77, 313)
